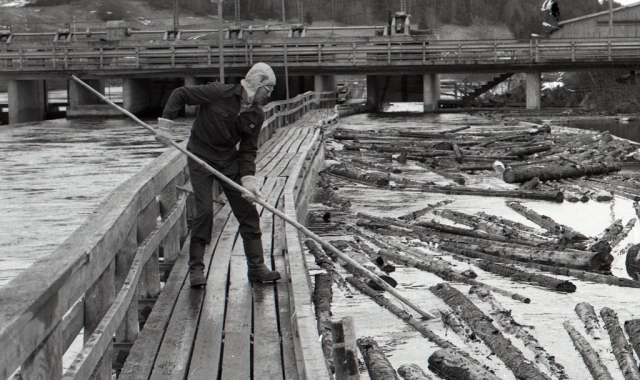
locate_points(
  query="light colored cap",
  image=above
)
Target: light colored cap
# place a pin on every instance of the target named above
(260, 75)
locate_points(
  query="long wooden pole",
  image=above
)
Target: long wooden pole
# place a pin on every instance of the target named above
(273, 210)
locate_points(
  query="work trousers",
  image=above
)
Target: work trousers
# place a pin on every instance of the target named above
(244, 211)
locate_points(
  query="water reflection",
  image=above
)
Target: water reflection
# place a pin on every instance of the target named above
(627, 130)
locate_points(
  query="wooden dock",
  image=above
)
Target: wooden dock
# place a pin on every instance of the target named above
(122, 278)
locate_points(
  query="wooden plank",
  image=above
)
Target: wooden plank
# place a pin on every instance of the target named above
(72, 324)
(46, 361)
(272, 158)
(311, 361)
(98, 299)
(173, 357)
(293, 152)
(205, 359)
(284, 304)
(267, 359)
(101, 341)
(236, 357)
(289, 140)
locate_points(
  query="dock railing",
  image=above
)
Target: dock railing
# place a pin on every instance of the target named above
(109, 270)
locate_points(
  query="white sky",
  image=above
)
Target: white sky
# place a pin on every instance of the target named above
(626, 2)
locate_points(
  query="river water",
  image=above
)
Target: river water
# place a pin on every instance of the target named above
(53, 174)
(547, 310)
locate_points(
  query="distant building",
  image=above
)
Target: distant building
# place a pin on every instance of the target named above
(626, 23)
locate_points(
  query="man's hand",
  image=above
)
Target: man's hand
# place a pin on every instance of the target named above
(250, 183)
(163, 132)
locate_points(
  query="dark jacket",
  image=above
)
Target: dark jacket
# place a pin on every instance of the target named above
(219, 125)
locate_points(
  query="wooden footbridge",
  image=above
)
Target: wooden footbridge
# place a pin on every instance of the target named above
(119, 284)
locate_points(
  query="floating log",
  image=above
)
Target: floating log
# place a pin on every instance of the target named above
(587, 315)
(413, 372)
(484, 329)
(509, 223)
(528, 150)
(557, 171)
(345, 349)
(455, 177)
(553, 196)
(453, 364)
(473, 167)
(632, 327)
(624, 233)
(569, 258)
(542, 280)
(363, 260)
(504, 318)
(590, 357)
(546, 222)
(456, 152)
(622, 350)
(562, 271)
(458, 326)
(418, 213)
(322, 297)
(374, 178)
(603, 241)
(325, 263)
(632, 262)
(399, 312)
(377, 363)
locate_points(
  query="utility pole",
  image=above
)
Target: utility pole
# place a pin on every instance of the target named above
(286, 68)
(176, 15)
(237, 11)
(220, 39)
(610, 18)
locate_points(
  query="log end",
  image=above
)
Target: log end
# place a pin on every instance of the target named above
(566, 287)
(509, 176)
(632, 262)
(601, 262)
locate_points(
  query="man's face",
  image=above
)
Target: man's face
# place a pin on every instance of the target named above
(262, 95)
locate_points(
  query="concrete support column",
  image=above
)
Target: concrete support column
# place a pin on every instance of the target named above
(136, 95)
(430, 92)
(192, 81)
(323, 83)
(373, 95)
(83, 103)
(27, 101)
(533, 91)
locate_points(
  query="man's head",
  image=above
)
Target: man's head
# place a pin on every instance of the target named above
(259, 82)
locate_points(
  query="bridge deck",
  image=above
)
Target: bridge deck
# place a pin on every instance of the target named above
(233, 329)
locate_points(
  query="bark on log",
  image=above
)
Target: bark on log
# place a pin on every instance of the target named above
(484, 329)
(377, 363)
(624, 233)
(509, 223)
(413, 372)
(453, 364)
(345, 349)
(325, 263)
(474, 167)
(455, 177)
(570, 258)
(458, 326)
(622, 350)
(555, 171)
(456, 152)
(399, 312)
(587, 315)
(562, 271)
(504, 318)
(374, 178)
(522, 276)
(552, 196)
(322, 297)
(418, 213)
(590, 357)
(528, 150)
(632, 327)
(546, 222)
(632, 262)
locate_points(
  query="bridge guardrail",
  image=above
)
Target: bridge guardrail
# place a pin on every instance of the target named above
(109, 267)
(311, 52)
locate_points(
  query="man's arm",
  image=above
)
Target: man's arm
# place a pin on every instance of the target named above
(190, 96)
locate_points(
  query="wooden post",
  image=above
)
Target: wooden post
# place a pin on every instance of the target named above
(345, 350)
(46, 361)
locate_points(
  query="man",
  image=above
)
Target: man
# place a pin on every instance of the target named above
(225, 135)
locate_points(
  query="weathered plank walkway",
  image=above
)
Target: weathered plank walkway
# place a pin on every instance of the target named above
(234, 329)
(117, 286)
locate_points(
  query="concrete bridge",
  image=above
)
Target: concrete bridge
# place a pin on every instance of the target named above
(398, 67)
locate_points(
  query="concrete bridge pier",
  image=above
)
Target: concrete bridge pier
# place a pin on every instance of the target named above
(136, 95)
(373, 93)
(27, 101)
(83, 103)
(323, 83)
(430, 92)
(533, 91)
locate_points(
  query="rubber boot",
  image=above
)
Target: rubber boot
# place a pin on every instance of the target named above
(258, 272)
(196, 265)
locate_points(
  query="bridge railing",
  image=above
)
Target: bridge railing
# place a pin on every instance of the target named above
(108, 271)
(313, 52)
